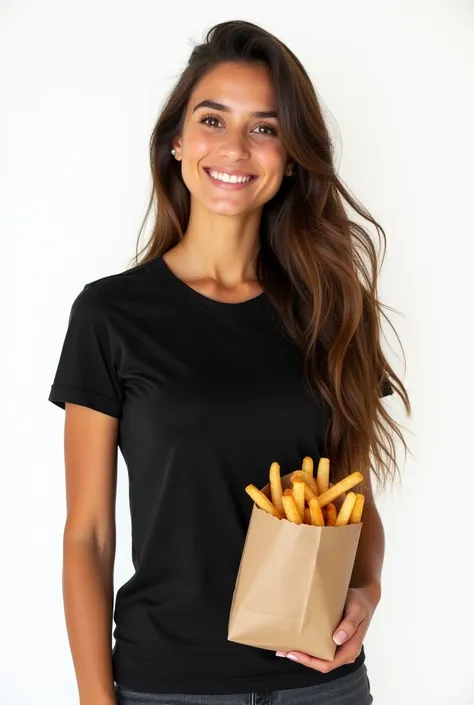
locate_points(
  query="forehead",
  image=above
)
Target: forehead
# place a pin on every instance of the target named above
(243, 87)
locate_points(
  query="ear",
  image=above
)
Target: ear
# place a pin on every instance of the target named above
(176, 144)
(289, 170)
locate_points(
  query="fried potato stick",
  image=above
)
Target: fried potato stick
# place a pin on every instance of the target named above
(307, 465)
(306, 477)
(299, 496)
(317, 518)
(308, 493)
(262, 501)
(322, 475)
(331, 514)
(276, 490)
(346, 510)
(339, 488)
(291, 510)
(356, 516)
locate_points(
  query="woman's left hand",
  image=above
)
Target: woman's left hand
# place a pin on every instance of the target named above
(349, 635)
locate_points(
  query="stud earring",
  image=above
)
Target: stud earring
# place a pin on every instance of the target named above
(173, 152)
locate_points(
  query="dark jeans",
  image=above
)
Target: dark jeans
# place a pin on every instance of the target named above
(353, 689)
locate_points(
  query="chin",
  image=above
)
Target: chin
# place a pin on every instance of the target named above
(226, 208)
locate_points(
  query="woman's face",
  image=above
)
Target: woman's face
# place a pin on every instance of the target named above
(227, 136)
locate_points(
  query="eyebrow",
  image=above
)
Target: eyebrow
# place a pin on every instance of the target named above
(225, 109)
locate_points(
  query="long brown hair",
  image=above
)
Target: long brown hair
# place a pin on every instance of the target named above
(318, 267)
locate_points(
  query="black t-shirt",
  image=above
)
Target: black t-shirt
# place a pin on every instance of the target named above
(208, 395)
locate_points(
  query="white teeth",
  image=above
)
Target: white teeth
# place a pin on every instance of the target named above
(229, 179)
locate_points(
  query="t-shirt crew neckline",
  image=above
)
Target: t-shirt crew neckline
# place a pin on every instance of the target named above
(183, 289)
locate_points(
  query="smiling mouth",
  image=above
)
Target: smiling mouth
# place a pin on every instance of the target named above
(225, 178)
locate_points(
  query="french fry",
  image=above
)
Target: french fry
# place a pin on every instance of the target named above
(262, 501)
(305, 490)
(317, 518)
(356, 515)
(322, 475)
(331, 514)
(299, 496)
(339, 488)
(346, 509)
(275, 487)
(307, 478)
(291, 510)
(307, 465)
(308, 493)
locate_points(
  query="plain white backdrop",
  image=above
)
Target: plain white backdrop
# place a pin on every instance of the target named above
(81, 87)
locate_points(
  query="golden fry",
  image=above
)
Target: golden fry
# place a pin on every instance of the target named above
(308, 493)
(346, 509)
(339, 488)
(356, 515)
(317, 518)
(307, 478)
(291, 510)
(313, 491)
(262, 501)
(331, 514)
(298, 495)
(322, 475)
(307, 465)
(275, 487)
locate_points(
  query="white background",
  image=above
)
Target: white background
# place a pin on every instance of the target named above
(81, 87)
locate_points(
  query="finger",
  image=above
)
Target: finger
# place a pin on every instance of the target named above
(317, 664)
(347, 653)
(301, 657)
(347, 628)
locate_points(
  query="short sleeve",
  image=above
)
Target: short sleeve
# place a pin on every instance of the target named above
(86, 373)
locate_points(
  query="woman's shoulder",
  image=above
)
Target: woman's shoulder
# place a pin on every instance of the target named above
(110, 290)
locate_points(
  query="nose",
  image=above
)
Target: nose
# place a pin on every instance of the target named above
(234, 145)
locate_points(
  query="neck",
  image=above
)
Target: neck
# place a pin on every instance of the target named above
(221, 247)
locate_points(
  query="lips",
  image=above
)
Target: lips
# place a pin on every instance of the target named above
(223, 186)
(230, 172)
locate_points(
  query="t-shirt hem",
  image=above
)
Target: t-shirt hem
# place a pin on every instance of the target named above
(60, 394)
(160, 683)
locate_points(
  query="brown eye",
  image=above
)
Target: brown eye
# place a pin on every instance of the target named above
(267, 127)
(206, 120)
(209, 117)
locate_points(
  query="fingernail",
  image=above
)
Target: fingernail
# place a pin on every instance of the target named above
(280, 653)
(292, 657)
(340, 638)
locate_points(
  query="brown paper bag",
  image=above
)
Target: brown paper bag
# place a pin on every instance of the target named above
(292, 583)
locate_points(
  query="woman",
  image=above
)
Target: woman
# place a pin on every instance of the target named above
(248, 332)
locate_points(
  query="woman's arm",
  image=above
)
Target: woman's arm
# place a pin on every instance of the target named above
(368, 564)
(90, 446)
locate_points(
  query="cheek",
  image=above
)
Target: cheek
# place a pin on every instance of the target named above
(272, 157)
(194, 151)
(197, 144)
(197, 148)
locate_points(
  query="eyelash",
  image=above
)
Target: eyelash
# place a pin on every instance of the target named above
(214, 117)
